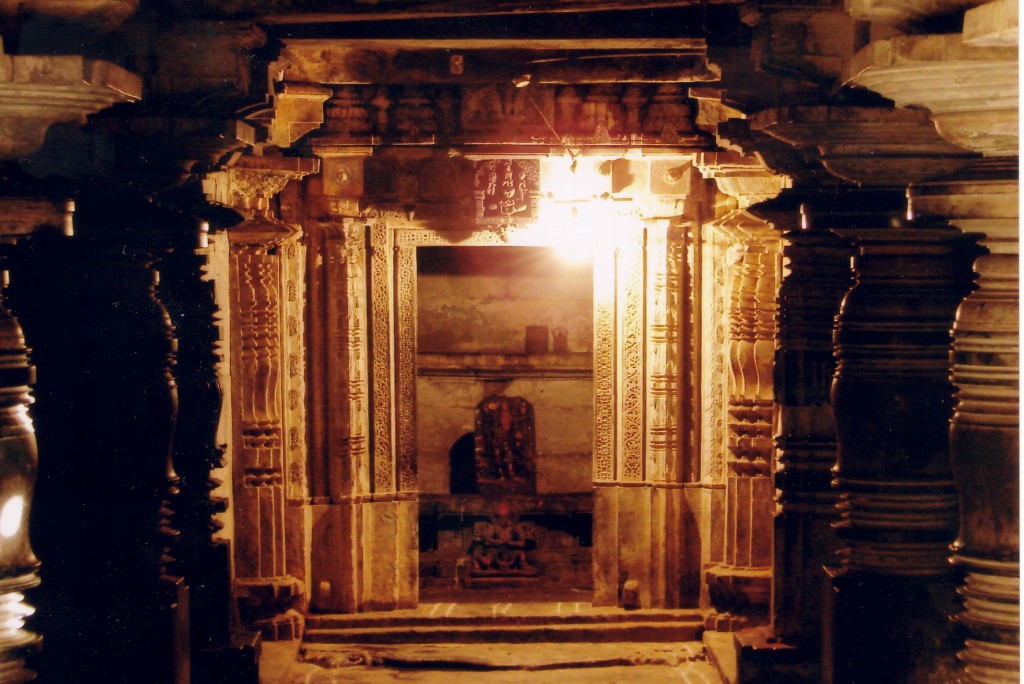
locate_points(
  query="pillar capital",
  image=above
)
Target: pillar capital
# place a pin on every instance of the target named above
(745, 178)
(38, 91)
(866, 145)
(970, 91)
(250, 183)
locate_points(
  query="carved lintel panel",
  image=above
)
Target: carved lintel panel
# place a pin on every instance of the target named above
(506, 190)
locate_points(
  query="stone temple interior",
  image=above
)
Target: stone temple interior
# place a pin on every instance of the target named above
(701, 311)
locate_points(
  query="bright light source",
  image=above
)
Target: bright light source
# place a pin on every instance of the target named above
(10, 516)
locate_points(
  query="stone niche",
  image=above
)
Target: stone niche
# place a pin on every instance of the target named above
(504, 416)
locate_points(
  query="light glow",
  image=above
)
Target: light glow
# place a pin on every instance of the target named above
(10, 516)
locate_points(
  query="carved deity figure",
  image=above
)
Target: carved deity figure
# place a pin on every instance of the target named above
(505, 446)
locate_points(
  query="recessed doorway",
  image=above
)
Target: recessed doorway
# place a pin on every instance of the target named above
(504, 416)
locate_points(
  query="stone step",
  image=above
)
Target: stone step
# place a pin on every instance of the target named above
(547, 632)
(502, 615)
(503, 655)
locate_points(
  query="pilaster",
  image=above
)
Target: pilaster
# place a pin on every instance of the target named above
(739, 585)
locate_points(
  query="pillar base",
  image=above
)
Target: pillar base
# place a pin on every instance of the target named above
(742, 592)
(763, 658)
(883, 628)
(267, 604)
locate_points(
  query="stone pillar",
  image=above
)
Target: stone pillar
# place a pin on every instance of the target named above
(984, 440)
(740, 583)
(105, 412)
(892, 401)
(816, 276)
(269, 594)
(19, 460)
(203, 558)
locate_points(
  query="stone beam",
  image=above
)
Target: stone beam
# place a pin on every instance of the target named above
(971, 91)
(461, 65)
(101, 14)
(39, 91)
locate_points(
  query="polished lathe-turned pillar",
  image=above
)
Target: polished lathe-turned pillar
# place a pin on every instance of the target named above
(18, 462)
(815, 277)
(985, 434)
(892, 398)
(105, 411)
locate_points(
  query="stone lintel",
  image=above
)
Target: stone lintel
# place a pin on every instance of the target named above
(866, 145)
(100, 14)
(971, 91)
(994, 24)
(39, 91)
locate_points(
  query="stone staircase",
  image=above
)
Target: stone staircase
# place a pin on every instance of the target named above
(505, 636)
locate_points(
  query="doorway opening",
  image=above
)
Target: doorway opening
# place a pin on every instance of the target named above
(504, 417)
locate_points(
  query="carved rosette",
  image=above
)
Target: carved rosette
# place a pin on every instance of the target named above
(985, 434)
(816, 276)
(892, 400)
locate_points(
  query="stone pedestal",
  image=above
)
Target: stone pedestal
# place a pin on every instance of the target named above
(892, 400)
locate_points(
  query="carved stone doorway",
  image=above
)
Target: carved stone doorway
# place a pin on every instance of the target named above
(504, 350)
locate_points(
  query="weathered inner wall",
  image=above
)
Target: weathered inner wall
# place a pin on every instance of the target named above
(474, 305)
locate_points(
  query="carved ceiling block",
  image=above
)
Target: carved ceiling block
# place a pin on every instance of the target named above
(250, 182)
(298, 109)
(971, 92)
(994, 24)
(39, 91)
(866, 145)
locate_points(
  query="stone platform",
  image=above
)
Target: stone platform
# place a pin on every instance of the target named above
(502, 641)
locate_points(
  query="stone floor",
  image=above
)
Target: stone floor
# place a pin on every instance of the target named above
(592, 662)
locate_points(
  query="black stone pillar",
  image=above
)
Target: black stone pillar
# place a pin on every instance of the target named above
(106, 404)
(893, 399)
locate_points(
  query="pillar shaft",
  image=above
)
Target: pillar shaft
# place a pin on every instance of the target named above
(985, 433)
(892, 400)
(816, 277)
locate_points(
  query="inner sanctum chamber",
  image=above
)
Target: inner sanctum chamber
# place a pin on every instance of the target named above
(313, 313)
